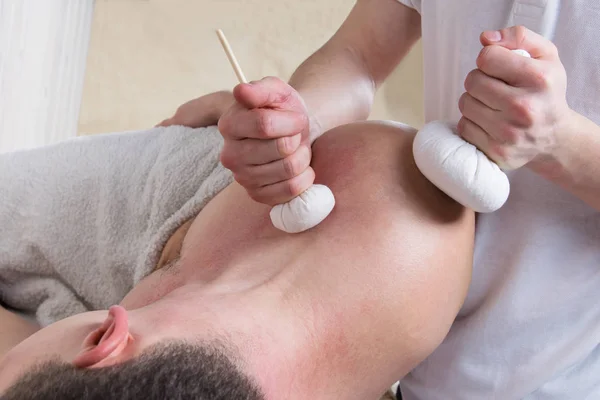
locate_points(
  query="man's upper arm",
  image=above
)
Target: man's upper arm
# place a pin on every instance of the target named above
(381, 33)
(13, 330)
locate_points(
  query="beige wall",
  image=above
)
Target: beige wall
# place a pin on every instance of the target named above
(43, 54)
(148, 56)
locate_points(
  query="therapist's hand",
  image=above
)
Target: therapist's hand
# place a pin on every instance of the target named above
(201, 112)
(514, 108)
(267, 144)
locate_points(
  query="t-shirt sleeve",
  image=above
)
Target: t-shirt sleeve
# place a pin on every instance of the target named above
(416, 4)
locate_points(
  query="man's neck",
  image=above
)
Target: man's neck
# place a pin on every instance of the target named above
(295, 345)
(279, 340)
(282, 343)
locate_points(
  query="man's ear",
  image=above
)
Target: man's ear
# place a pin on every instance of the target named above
(106, 342)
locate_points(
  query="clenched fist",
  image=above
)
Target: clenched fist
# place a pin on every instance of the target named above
(267, 141)
(515, 108)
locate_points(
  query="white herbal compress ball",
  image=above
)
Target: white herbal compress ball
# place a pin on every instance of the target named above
(304, 211)
(458, 168)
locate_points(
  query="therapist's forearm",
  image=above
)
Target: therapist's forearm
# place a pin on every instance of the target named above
(335, 87)
(338, 82)
(575, 166)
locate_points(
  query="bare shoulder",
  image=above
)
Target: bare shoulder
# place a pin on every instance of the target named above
(405, 248)
(372, 163)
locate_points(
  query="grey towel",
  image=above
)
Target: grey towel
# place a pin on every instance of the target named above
(82, 221)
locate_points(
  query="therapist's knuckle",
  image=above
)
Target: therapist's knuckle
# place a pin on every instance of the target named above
(484, 59)
(539, 77)
(471, 80)
(264, 123)
(520, 34)
(521, 108)
(289, 166)
(226, 126)
(229, 158)
(461, 102)
(285, 145)
(294, 165)
(292, 188)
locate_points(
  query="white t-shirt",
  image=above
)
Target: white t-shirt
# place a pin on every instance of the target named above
(530, 326)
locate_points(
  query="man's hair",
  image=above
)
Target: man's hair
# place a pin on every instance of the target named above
(172, 370)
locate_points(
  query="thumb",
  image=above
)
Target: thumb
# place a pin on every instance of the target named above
(519, 37)
(269, 92)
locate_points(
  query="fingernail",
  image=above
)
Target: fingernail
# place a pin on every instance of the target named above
(493, 36)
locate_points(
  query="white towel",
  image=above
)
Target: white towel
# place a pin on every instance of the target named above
(82, 221)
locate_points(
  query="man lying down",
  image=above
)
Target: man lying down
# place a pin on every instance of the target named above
(152, 276)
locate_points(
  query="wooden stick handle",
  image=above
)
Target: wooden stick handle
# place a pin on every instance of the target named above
(232, 60)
